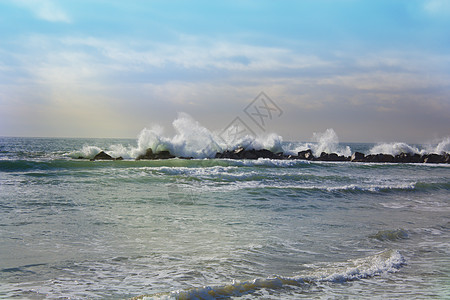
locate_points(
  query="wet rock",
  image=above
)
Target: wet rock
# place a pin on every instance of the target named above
(148, 155)
(357, 157)
(331, 157)
(407, 158)
(241, 153)
(264, 153)
(164, 155)
(306, 154)
(102, 156)
(251, 154)
(160, 155)
(379, 158)
(433, 158)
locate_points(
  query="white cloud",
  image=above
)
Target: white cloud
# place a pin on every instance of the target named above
(199, 54)
(46, 10)
(437, 6)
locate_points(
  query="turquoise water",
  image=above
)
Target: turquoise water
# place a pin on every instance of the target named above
(209, 228)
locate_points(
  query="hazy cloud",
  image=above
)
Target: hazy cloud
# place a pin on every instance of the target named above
(47, 10)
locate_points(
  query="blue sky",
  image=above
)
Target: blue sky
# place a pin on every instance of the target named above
(375, 71)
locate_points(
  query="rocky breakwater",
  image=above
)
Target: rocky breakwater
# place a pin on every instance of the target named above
(401, 158)
(241, 153)
(105, 156)
(159, 155)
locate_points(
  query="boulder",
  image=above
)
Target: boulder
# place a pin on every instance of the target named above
(407, 158)
(433, 158)
(357, 157)
(331, 157)
(102, 156)
(309, 156)
(160, 155)
(306, 154)
(379, 158)
(264, 153)
(163, 155)
(251, 154)
(148, 155)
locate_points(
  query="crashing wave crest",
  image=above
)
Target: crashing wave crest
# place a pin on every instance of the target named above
(387, 261)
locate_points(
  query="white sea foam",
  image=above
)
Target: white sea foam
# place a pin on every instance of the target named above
(85, 152)
(441, 147)
(194, 140)
(191, 139)
(387, 261)
(396, 148)
(327, 142)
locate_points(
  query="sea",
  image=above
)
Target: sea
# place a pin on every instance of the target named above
(206, 228)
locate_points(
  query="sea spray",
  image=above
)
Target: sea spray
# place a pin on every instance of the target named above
(442, 147)
(394, 149)
(397, 148)
(85, 152)
(194, 140)
(191, 139)
(327, 142)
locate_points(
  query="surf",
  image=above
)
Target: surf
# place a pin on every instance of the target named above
(387, 261)
(193, 140)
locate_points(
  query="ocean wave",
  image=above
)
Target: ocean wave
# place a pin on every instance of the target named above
(191, 139)
(441, 147)
(387, 261)
(390, 235)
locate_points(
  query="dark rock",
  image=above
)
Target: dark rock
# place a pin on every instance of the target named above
(416, 158)
(433, 158)
(331, 157)
(164, 155)
(386, 158)
(148, 155)
(251, 154)
(407, 158)
(226, 154)
(103, 156)
(239, 151)
(119, 158)
(306, 154)
(264, 153)
(309, 156)
(447, 158)
(402, 158)
(357, 157)
(379, 158)
(160, 155)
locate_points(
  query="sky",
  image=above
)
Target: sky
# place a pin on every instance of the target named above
(374, 71)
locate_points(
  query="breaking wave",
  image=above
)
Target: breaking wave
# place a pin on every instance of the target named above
(397, 148)
(387, 261)
(191, 139)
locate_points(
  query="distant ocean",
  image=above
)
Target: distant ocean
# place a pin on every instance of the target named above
(218, 228)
